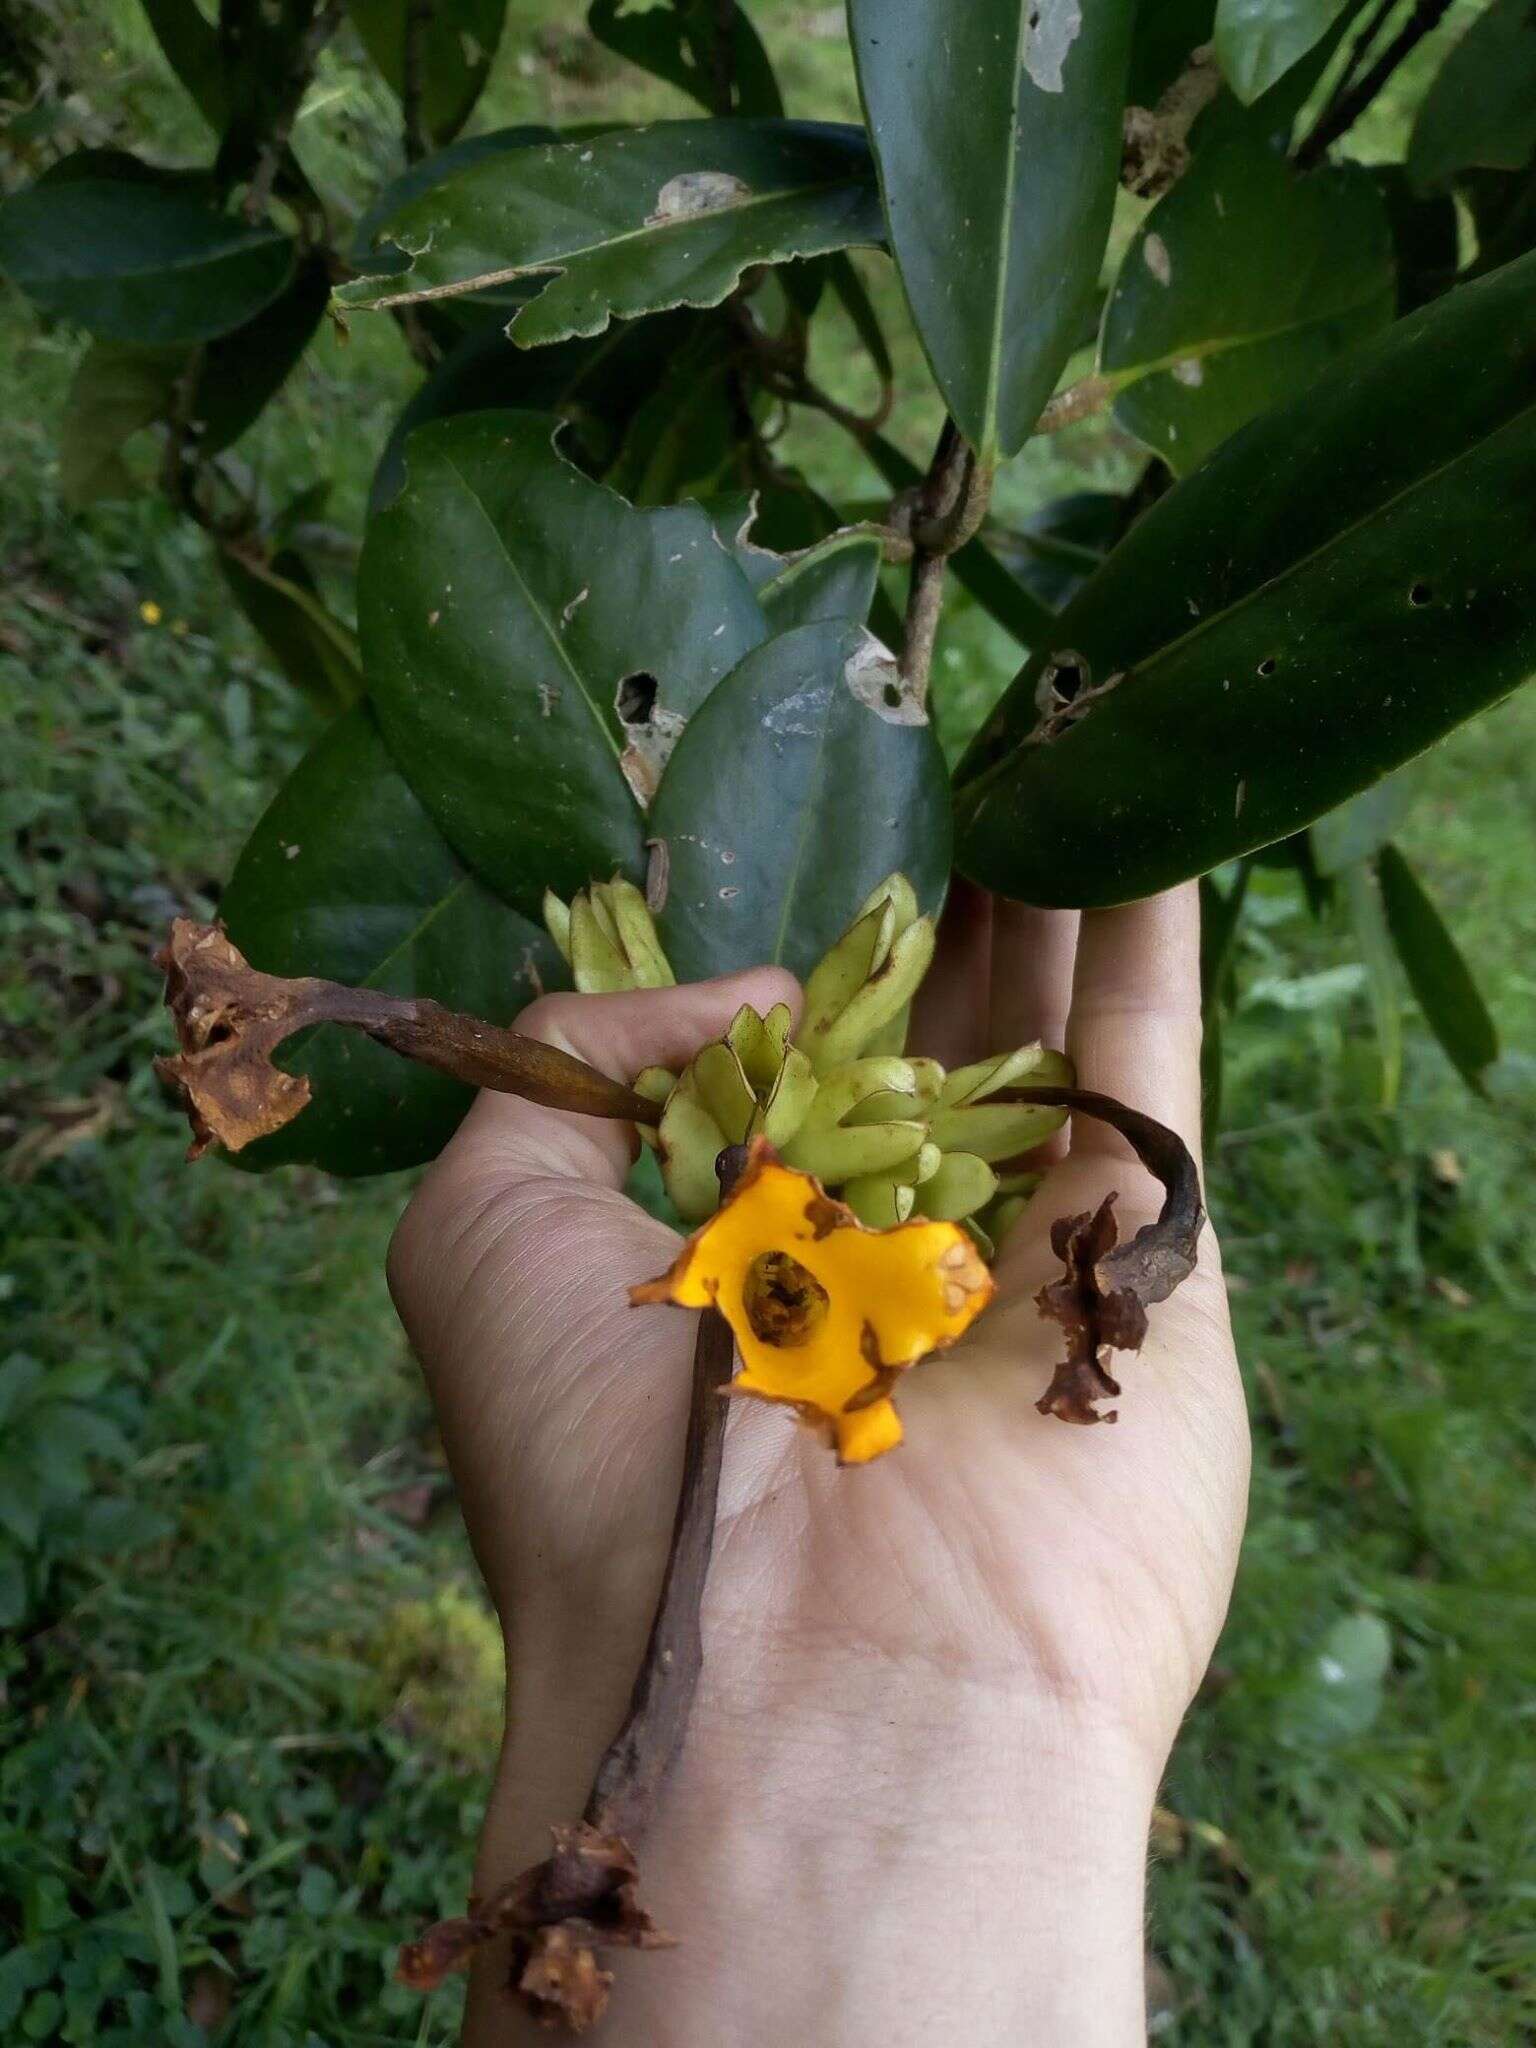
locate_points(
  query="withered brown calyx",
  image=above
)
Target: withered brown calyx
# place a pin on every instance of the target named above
(230, 1019)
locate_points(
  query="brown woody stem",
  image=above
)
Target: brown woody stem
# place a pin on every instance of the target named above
(582, 1898)
(951, 504)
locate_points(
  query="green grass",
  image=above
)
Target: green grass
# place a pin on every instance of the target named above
(248, 1696)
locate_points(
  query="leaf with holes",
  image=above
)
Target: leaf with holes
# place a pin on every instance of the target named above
(631, 221)
(1244, 284)
(440, 54)
(136, 259)
(1257, 41)
(1480, 113)
(530, 639)
(996, 126)
(1343, 582)
(347, 877)
(808, 776)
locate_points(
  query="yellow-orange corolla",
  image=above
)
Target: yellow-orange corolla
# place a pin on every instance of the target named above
(826, 1313)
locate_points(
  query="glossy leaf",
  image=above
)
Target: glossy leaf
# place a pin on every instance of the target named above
(346, 876)
(1358, 830)
(1257, 41)
(428, 172)
(1347, 579)
(632, 221)
(314, 650)
(679, 43)
(1481, 110)
(596, 384)
(997, 128)
(792, 793)
(115, 392)
(1242, 286)
(137, 261)
(243, 371)
(523, 628)
(833, 580)
(1437, 973)
(190, 45)
(455, 43)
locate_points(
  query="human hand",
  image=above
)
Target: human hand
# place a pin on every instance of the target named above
(938, 1691)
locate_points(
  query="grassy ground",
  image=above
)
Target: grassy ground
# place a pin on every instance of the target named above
(247, 1691)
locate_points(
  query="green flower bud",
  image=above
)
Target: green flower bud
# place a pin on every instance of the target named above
(609, 938)
(689, 1142)
(962, 1185)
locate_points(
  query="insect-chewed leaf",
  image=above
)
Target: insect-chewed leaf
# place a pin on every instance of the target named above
(807, 777)
(1374, 585)
(997, 130)
(632, 221)
(137, 258)
(530, 639)
(347, 877)
(1243, 285)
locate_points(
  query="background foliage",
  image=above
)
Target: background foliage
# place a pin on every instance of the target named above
(249, 1694)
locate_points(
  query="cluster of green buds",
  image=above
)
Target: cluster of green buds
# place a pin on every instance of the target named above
(893, 1137)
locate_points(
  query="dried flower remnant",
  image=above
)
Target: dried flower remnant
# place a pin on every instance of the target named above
(230, 1019)
(827, 1313)
(1102, 1297)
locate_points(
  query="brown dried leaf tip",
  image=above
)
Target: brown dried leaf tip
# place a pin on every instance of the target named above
(1102, 1297)
(229, 1020)
(560, 1914)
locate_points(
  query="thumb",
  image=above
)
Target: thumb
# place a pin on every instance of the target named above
(506, 1137)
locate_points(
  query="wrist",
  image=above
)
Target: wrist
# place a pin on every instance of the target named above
(849, 1850)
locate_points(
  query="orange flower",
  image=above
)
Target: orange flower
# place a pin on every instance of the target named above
(826, 1313)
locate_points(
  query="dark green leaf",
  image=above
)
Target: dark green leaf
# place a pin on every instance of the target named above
(138, 261)
(1347, 579)
(1273, 115)
(976, 569)
(242, 371)
(632, 221)
(455, 41)
(596, 384)
(833, 580)
(1481, 110)
(1358, 830)
(765, 527)
(190, 44)
(13, 1585)
(522, 629)
(1364, 899)
(1437, 973)
(263, 48)
(1164, 38)
(849, 286)
(1242, 286)
(311, 646)
(347, 877)
(679, 43)
(429, 172)
(116, 391)
(797, 788)
(1257, 41)
(683, 439)
(1055, 550)
(1425, 237)
(997, 128)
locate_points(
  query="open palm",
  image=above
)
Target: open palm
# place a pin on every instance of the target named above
(1080, 1575)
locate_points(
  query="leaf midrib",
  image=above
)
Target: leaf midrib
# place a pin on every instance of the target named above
(550, 633)
(559, 263)
(1005, 239)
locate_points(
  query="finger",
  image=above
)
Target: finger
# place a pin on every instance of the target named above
(1032, 956)
(1134, 1030)
(949, 1014)
(618, 1034)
